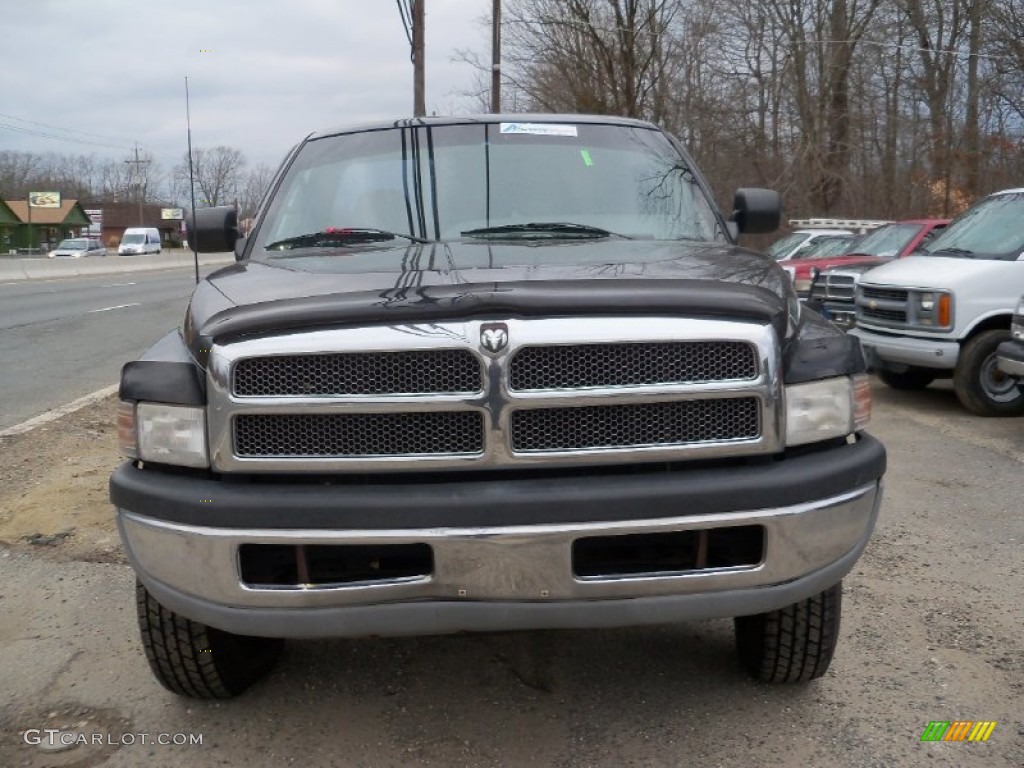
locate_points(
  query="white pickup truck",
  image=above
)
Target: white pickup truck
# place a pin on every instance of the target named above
(945, 313)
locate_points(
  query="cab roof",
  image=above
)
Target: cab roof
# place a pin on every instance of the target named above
(410, 122)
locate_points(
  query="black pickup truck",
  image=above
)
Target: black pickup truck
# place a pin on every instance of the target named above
(492, 373)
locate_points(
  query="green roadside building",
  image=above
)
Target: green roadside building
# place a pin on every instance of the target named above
(9, 224)
(41, 228)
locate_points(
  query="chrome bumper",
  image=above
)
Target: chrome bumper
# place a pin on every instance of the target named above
(880, 349)
(499, 578)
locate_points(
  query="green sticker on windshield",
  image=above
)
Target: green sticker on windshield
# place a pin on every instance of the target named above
(585, 154)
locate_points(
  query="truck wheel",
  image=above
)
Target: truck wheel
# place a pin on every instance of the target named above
(979, 384)
(912, 378)
(793, 644)
(192, 659)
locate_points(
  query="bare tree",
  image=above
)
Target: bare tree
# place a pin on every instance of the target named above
(218, 175)
(255, 187)
(600, 56)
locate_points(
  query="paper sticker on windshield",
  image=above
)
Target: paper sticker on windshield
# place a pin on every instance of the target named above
(540, 129)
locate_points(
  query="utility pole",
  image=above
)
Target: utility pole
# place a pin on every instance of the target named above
(418, 23)
(137, 178)
(496, 57)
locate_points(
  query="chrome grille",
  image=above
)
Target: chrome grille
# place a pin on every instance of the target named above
(649, 424)
(886, 294)
(430, 395)
(833, 287)
(338, 435)
(917, 308)
(361, 373)
(619, 365)
(884, 315)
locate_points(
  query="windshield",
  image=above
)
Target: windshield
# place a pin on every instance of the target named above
(785, 244)
(133, 239)
(825, 246)
(72, 245)
(992, 229)
(889, 240)
(483, 182)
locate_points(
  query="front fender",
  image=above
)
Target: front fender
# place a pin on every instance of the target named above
(166, 373)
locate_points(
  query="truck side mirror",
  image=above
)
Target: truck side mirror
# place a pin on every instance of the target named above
(214, 230)
(756, 210)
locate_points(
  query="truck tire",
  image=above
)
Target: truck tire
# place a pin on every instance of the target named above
(793, 644)
(912, 378)
(192, 659)
(979, 384)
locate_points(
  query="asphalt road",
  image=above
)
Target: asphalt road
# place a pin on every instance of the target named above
(62, 339)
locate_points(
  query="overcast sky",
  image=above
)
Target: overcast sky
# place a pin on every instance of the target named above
(262, 73)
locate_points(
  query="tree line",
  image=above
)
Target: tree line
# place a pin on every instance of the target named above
(875, 108)
(222, 177)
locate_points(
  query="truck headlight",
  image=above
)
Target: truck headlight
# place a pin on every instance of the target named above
(166, 434)
(819, 410)
(934, 309)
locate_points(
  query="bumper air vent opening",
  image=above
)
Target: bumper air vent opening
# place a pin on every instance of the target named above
(287, 565)
(676, 552)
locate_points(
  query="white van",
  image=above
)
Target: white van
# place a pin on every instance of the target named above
(139, 240)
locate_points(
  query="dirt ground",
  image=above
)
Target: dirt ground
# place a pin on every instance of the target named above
(62, 512)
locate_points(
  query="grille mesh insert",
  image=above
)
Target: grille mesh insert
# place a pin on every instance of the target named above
(611, 365)
(341, 435)
(888, 294)
(886, 315)
(359, 373)
(617, 426)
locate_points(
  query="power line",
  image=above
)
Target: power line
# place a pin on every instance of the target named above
(62, 129)
(549, 22)
(79, 141)
(915, 48)
(69, 139)
(407, 22)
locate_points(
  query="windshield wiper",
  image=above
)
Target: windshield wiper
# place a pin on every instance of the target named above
(953, 252)
(334, 235)
(554, 228)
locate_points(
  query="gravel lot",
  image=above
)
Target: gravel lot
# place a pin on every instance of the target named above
(931, 631)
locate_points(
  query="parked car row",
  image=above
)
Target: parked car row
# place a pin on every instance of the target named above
(830, 284)
(949, 309)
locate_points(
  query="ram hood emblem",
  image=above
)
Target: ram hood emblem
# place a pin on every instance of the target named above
(494, 337)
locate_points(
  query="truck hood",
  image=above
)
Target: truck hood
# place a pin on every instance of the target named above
(948, 273)
(424, 282)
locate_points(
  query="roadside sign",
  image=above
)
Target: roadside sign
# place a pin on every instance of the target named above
(176, 214)
(44, 199)
(96, 217)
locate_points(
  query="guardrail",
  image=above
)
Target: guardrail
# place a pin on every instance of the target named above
(36, 268)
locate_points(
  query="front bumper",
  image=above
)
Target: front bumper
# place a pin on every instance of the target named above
(883, 351)
(493, 569)
(1011, 357)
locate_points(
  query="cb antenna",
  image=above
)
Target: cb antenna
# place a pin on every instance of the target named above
(191, 183)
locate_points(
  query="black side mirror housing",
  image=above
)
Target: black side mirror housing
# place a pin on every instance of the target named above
(239, 248)
(213, 230)
(756, 210)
